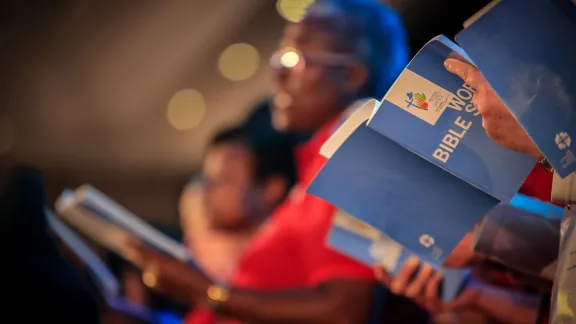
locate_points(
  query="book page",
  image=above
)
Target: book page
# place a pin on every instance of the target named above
(100, 205)
(430, 112)
(359, 117)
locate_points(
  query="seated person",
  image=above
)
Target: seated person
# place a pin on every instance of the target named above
(242, 184)
(347, 50)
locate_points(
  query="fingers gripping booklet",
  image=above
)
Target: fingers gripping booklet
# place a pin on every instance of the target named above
(367, 245)
(526, 50)
(113, 226)
(420, 168)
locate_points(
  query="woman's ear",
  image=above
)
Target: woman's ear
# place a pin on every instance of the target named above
(274, 191)
(357, 77)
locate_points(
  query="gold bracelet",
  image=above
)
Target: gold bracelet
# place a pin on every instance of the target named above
(544, 164)
(217, 296)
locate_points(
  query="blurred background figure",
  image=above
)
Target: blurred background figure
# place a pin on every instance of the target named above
(39, 284)
(243, 181)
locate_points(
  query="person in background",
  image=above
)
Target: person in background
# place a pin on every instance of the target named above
(341, 52)
(505, 305)
(39, 284)
(242, 183)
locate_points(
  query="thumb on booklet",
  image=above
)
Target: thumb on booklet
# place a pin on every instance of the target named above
(465, 71)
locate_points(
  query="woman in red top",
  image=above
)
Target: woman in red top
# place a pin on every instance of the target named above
(342, 51)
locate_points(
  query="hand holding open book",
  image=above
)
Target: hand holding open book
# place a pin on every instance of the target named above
(497, 120)
(170, 276)
(167, 266)
(421, 283)
(427, 162)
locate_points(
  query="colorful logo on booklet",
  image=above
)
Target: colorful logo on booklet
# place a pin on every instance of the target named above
(417, 100)
(419, 97)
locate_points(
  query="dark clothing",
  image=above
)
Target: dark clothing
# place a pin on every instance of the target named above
(37, 282)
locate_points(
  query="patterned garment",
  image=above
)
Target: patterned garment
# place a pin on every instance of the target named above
(563, 309)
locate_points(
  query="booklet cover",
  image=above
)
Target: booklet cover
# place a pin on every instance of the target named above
(523, 235)
(536, 206)
(421, 168)
(367, 245)
(429, 111)
(525, 49)
(107, 222)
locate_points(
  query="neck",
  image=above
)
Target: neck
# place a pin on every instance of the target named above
(247, 227)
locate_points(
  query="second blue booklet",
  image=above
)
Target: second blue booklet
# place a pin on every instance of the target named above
(419, 166)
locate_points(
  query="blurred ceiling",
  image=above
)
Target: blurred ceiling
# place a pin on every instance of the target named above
(86, 84)
(90, 83)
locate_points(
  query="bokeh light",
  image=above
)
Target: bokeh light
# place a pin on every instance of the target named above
(186, 109)
(239, 62)
(289, 59)
(293, 10)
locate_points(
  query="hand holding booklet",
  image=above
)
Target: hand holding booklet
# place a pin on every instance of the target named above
(418, 166)
(101, 276)
(367, 245)
(113, 226)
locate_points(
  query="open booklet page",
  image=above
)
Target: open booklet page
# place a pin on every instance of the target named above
(420, 168)
(534, 74)
(110, 224)
(429, 111)
(417, 204)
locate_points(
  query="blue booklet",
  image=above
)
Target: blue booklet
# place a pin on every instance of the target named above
(420, 168)
(536, 206)
(526, 50)
(113, 226)
(369, 246)
(522, 235)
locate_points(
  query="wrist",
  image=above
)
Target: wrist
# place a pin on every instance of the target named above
(544, 164)
(198, 289)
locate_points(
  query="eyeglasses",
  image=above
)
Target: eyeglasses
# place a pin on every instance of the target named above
(291, 58)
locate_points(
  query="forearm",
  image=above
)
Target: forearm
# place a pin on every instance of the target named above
(509, 306)
(330, 304)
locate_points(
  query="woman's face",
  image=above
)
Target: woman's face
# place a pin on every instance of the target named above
(230, 196)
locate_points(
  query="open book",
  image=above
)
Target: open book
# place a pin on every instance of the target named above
(419, 166)
(370, 246)
(525, 49)
(101, 277)
(113, 226)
